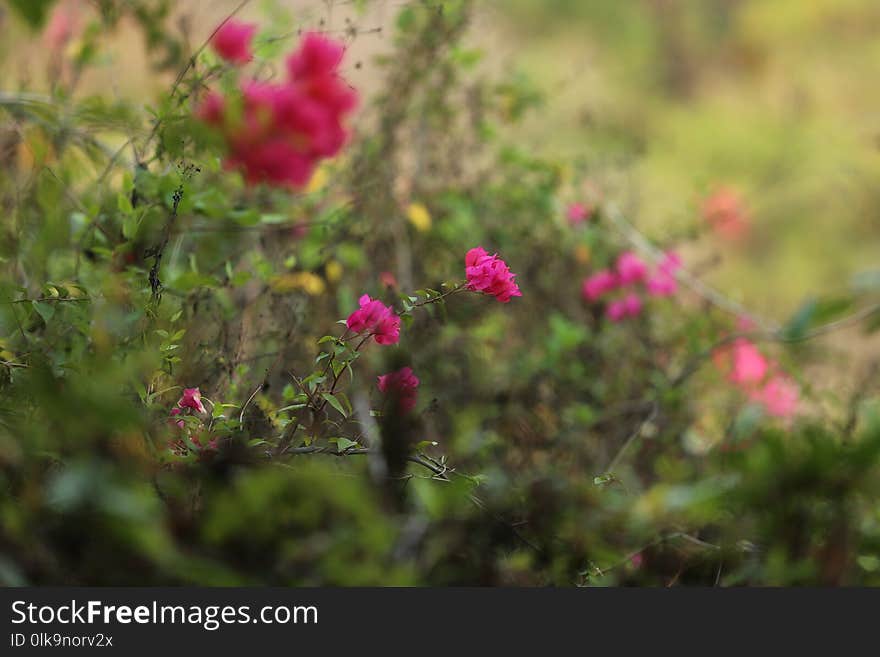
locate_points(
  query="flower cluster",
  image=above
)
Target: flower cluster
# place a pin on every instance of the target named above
(759, 378)
(277, 132)
(191, 400)
(232, 41)
(629, 273)
(489, 274)
(402, 388)
(725, 212)
(377, 319)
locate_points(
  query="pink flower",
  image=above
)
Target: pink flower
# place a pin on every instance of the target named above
(211, 109)
(232, 41)
(663, 282)
(749, 365)
(402, 386)
(631, 268)
(180, 423)
(191, 398)
(670, 263)
(63, 23)
(577, 213)
(601, 282)
(779, 397)
(375, 317)
(628, 306)
(725, 211)
(277, 132)
(388, 279)
(490, 274)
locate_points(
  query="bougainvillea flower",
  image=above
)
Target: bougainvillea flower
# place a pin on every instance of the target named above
(725, 211)
(278, 132)
(232, 41)
(63, 23)
(191, 398)
(577, 213)
(598, 284)
(620, 309)
(779, 396)
(402, 387)
(388, 279)
(663, 283)
(748, 364)
(180, 423)
(489, 274)
(630, 268)
(376, 318)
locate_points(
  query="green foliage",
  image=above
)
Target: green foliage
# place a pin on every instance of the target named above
(549, 446)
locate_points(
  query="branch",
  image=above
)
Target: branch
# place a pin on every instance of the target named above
(439, 472)
(710, 294)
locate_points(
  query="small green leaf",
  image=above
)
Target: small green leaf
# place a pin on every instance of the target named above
(46, 310)
(343, 444)
(335, 403)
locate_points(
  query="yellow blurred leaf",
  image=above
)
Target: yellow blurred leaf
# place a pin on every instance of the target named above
(303, 280)
(419, 216)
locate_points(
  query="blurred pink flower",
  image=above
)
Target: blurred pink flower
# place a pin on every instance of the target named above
(725, 211)
(628, 306)
(233, 41)
(313, 68)
(63, 23)
(490, 274)
(600, 283)
(749, 366)
(191, 398)
(779, 396)
(577, 213)
(376, 318)
(630, 268)
(402, 386)
(277, 132)
(180, 423)
(388, 279)
(663, 283)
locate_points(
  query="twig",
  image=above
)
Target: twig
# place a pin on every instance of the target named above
(639, 241)
(244, 408)
(439, 473)
(655, 408)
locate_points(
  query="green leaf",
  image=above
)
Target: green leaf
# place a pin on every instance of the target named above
(335, 403)
(32, 11)
(343, 444)
(46, 310)
(813, 313)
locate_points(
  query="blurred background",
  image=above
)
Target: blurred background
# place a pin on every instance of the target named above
(742, 134)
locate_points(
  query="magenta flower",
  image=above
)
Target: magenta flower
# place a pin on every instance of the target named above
(277, 132)
(749, 365)
(191, 398)
(663, 282)
(233, 41)
(628, 306)
(779, 396)
(180, 423)
(577, 213)
(598, 284)
(489, 274)
(402, 386)
(631, 268)
(376, 318)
